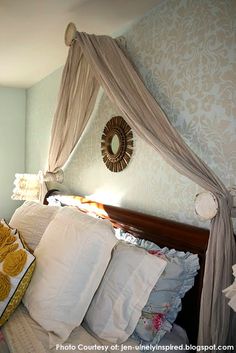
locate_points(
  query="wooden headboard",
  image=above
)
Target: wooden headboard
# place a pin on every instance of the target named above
(163, 232)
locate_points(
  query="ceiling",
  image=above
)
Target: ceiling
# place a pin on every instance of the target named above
(32, 32)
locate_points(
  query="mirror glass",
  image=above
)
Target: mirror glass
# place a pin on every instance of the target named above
(115, 144)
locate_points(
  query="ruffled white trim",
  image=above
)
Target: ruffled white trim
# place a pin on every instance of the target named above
(190, 267)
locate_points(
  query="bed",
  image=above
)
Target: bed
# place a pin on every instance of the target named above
(165, 233)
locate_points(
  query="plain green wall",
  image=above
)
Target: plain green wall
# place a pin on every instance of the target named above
(12, 144)
(41, 104)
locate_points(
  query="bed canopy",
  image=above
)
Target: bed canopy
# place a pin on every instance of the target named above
(95, 61)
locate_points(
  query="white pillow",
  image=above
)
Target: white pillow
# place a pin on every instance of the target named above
(124, 291)
(31, 219)
(71, 257)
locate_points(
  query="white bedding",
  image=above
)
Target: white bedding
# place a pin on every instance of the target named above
(24, 335)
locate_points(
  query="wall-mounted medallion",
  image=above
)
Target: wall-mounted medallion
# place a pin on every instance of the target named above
(117, 144)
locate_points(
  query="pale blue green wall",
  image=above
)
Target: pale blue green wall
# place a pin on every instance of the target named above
(12, 144)
(185, 51)
(41, 102)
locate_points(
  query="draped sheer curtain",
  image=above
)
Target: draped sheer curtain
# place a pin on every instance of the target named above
(76, 101)
(75, 105)
(94, 60)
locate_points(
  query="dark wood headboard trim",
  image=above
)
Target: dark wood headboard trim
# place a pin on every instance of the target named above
(163, 232)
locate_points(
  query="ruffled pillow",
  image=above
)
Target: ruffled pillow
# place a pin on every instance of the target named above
(116, 307)
(164, 302)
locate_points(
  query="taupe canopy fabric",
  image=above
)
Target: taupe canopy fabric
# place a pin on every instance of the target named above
(122, 84)
(75, 105)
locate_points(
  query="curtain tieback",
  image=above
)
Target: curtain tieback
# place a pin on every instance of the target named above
(207, 204)
(55, 176)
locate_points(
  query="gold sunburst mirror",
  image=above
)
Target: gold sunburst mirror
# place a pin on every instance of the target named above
(117, 144)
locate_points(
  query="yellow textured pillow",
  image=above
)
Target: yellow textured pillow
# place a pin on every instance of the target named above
(16, 268)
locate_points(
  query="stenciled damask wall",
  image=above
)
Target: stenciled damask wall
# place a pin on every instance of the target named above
(185, 50)
(186, 53)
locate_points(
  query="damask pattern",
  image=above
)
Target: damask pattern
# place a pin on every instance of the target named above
(185, 51)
